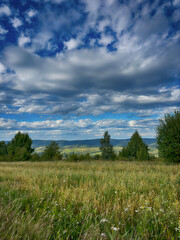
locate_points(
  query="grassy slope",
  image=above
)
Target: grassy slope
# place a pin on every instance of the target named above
(90, 200)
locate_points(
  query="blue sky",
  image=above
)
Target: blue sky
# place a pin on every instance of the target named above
(73, 69)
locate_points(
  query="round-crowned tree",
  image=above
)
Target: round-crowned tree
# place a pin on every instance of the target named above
(19, 148)
(168, 137)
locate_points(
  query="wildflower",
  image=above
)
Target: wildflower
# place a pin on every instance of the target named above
(177, 229)
(115, 228)
(136, 210)
(103, 234)
(103, 220)
(149, 208)
(115, 192)
(161, 210)
(126, 209)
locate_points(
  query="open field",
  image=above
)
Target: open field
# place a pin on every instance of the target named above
(91, 150)
(89, 200)
(79, 150)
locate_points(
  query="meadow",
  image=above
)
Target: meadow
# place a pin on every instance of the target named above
(89, 200)
(91, 150)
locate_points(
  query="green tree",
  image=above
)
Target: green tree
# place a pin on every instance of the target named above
(3, 148)
(3, 151)
(52, 152)
(106, 148)
(136, 148)
(168, 137)
(19, 148)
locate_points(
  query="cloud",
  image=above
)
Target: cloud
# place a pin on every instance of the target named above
(3, 31)
(96, 81)
(16, 22)
(78, 128)
(2, 68)
(31, 13)
(4, 9)
(23, 40)
(106, 39)
(88, 59)
(72, 44)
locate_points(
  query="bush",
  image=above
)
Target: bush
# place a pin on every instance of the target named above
(36, 157)
(168, 137)
(96, 157)
(74, 157)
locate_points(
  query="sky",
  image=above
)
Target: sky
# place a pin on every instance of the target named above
(72, 69)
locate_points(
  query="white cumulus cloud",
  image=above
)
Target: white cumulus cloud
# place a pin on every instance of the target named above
(4, 9)
(16, 22)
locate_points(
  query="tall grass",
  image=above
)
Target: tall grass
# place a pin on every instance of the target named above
(89, 200)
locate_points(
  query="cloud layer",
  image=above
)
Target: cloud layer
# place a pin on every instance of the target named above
(93, 58)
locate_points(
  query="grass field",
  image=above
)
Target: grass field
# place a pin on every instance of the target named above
(89, 200)
(79, 150)
(91, 150)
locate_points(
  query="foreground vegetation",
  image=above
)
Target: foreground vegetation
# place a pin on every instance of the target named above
(89, 200)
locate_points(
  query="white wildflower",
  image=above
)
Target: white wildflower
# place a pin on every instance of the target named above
(103, 234)
(115, 228)
(103, 220)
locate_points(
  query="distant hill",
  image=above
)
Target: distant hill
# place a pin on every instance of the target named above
(89, 143)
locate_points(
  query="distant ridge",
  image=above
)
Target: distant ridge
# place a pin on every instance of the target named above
(89, 143)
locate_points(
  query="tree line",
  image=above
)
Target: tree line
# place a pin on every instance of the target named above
(168, 144)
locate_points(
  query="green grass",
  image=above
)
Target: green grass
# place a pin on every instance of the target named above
(89, 200)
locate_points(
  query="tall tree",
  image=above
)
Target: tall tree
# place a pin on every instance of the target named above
(136, 148)
(168, 137)
(106, 148)
(52, 152)
(19, 148)
(3, 148)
